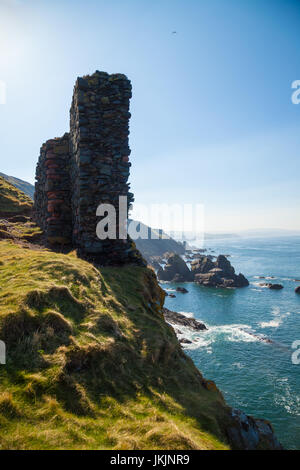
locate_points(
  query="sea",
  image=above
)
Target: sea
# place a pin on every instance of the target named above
(250, 349)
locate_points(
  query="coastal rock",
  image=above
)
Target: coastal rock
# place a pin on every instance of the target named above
(185, 341)
(276, 286)
(175, 270)
(182, 289)
(201, 265)
(271, 286)
(224, 264)
(219, 273)
(297, 290)
(249, 433)
(179, 319)
(218, 278)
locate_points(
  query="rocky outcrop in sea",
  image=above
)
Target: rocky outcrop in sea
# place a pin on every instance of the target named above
(250, 433)
(179, 319)
(176, 270)
(220, 274)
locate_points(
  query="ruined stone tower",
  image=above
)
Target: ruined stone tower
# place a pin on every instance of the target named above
(87, 167)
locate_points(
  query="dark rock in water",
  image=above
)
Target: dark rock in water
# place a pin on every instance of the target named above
(179, 319)
(271, 286)
(249, 433)
(276, 286)
(217, 273)
(185, 341)
(182, 289)
(297, 290)
(179, 278)
(172, 296)
(175, 270)
(217, 278)
(223, 263)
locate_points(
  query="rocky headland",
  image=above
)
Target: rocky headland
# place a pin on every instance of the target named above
(204, 271)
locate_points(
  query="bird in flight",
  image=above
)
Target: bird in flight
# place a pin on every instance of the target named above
(174, 32)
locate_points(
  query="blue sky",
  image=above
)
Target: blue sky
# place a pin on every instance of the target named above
(212, 118)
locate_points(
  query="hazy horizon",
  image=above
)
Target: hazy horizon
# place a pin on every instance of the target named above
(212, 118)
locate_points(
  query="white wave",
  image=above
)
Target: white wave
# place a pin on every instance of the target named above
(238, 365)
(275, 311)
(235, 333)
(286, 398)
(187, 314)
(270, 324)
(277, 321)
(258, 284)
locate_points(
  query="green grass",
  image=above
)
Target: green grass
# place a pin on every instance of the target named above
(21, 231)
(91, 362)
(12, 200)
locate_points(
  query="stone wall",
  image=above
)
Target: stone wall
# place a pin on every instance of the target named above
(89, 166)
(52, 204)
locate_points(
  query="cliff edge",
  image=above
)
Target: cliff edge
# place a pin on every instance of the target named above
(92, 364)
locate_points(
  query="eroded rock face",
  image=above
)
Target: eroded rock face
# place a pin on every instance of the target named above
(179, 319)
(222, 274)
(175, 270)
(202, 265)
(248, 433)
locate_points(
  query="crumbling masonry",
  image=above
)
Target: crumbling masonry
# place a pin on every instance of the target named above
(87, 167)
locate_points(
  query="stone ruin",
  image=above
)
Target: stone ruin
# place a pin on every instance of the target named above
(86, 167)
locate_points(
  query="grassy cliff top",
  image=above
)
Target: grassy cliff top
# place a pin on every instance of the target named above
(12, 200)
(91, 363)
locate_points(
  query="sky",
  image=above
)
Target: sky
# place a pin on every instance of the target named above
(213, 123)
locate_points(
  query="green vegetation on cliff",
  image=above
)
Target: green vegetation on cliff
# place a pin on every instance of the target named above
(91, 363)
(12, 200)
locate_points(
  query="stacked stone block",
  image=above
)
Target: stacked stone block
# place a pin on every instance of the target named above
(88, 167)
(52, 191)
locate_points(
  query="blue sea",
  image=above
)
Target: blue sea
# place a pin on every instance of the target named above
(254, 375)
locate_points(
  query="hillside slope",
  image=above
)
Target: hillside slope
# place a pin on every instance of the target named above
(24, 186)
(156, 244)
(91, 363)
(12, 200)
